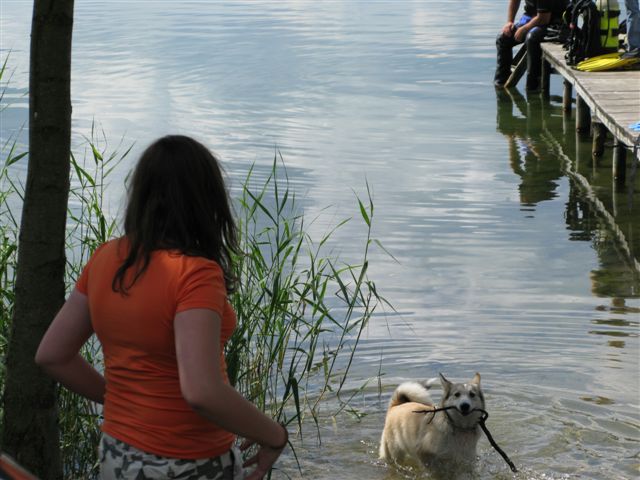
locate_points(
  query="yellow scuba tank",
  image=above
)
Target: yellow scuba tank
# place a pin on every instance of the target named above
(609, 12)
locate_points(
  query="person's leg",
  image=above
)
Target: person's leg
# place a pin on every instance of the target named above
(534, 57)
(504, 57)
(633, 24)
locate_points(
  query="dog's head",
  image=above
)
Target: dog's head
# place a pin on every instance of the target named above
(467, 398)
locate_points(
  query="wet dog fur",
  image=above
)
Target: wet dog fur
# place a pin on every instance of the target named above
(413, 433)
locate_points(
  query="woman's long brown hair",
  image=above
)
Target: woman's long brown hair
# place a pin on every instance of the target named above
(177, 201)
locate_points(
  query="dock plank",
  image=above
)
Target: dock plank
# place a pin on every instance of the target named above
(613, 96)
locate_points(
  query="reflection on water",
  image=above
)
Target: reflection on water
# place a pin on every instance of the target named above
(517, 255)
(520, 121)
(591, 213)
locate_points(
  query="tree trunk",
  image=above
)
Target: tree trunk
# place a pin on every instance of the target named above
(31, 433)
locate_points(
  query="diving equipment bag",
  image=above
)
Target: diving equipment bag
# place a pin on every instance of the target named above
(593, 28)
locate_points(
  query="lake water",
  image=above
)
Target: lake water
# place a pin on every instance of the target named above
(507, 263)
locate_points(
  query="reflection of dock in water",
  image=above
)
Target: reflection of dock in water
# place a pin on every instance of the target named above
(597, 205)
(544, 147)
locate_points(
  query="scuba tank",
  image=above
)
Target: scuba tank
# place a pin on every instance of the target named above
(609, 11)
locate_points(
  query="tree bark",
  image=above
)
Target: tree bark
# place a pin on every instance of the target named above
(30, 433)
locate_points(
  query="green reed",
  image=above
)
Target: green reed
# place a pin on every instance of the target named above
(8, 256)
(8, 232)
(301, 310)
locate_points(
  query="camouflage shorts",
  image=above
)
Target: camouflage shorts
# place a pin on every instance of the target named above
(120, 461)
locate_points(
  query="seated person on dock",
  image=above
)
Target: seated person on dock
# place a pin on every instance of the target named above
(530, 28)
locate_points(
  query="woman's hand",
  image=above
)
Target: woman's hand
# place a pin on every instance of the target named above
(265, 457)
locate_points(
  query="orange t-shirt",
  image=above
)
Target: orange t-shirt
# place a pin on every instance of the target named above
(143, 404)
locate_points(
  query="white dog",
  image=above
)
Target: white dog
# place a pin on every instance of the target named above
(415, 433)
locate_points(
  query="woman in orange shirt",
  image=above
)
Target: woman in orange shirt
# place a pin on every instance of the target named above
(157, 301)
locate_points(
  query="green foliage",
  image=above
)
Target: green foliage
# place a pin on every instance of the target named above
(301, 311)
(90, 224)
(8, 233)
(8, 260)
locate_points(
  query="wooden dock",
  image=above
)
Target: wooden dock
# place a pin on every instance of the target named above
(605, 101)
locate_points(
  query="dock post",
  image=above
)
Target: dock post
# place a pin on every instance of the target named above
(619, 163)
(546, 77)
(583, 115)
(599, 137)
(566, 96)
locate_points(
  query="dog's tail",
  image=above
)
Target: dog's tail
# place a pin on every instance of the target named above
(413, 392)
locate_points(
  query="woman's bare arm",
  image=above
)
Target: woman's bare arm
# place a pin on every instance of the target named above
(197, 337)
(59, 350)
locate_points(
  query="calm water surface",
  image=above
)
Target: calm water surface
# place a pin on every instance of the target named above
(508, 263)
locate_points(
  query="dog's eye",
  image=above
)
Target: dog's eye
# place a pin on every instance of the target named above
(457, 394)
(471, 394)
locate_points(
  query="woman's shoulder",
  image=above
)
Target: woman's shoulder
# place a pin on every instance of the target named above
(187, 262)
(110, 246)
(193, 272)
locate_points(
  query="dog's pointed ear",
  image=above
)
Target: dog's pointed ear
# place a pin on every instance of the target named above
(476, 379)
(446, 384)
